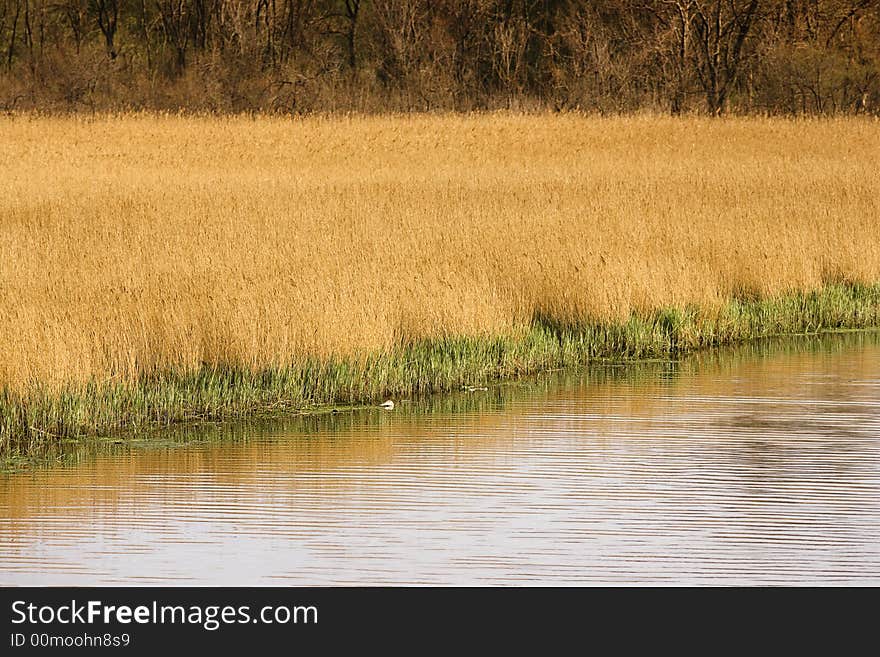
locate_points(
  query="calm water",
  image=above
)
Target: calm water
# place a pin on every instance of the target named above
(760, 465)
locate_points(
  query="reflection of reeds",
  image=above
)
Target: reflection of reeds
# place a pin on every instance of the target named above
(545, 347)
(241, 452)
(156, 269)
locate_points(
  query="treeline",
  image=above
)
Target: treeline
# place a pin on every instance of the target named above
(715, 56)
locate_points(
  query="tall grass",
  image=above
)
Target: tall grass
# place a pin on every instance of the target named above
(154, 269)
(641, 388)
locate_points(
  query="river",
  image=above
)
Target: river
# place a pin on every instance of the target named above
(754, 465)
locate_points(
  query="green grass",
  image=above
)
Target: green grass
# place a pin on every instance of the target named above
(40, 419)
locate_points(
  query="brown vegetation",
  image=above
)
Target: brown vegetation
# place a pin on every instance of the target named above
(136, 244)
(300, 56)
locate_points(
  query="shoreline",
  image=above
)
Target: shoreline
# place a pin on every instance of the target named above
(35, 422)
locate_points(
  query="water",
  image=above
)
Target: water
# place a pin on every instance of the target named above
(757, 465)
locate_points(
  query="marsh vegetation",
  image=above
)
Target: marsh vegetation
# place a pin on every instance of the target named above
(156, 269)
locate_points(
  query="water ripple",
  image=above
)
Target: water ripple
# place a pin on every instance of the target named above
(754, 470)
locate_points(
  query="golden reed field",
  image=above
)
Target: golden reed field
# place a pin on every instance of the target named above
(135, 243)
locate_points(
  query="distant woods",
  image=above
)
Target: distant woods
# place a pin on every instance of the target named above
(298, 56)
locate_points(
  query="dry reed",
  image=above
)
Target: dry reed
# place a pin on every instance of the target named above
(136, 244)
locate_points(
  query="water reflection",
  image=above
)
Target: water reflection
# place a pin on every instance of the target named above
(758, 465)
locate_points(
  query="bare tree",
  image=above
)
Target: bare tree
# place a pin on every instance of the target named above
(10, 51)
(74, 13)
(403, 24)
(175, 28)
(680, 24)
(352, 11)
(107, 16)
(787, 56)
(720, 31)
(510, 40)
